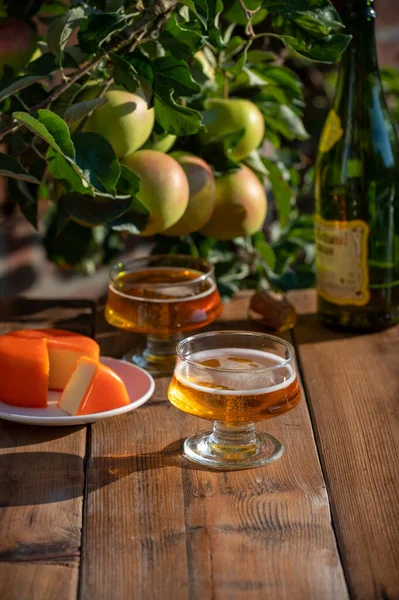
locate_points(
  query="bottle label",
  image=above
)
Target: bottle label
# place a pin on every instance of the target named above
(341, 261)
(332, 132)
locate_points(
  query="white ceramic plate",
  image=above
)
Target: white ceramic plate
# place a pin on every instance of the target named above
(139, 384)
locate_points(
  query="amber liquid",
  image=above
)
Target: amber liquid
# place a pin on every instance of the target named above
(203, 395)
(162, 300)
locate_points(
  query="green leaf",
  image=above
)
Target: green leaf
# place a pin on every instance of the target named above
(142, 65)
(175, 119)
(175, 74)
(124, 73)
(68, 245)
(51, 128)
(254, 161)
(235, 14)
(74, 54)
(91, 211)
(58, 129)
(240, 64)
(259, 56)
(11, 167)
(282, 75)
(181, 39)
(95, 30)
(97, 161)
(27, 202)
(52, 8)
(234, 45)
(61, 29)
(231, 140)
(284, 120)
(299, 228)
(19, 84)
(215, 155)
(316, 16)
(76, 112)
(215, 8)
(326, 50)
(282, 191)
(134, 220)
(67, 172)
(199, 8)
(264, 249)
(66, 99)
(128, 183)
(276, 94)
(44, 65)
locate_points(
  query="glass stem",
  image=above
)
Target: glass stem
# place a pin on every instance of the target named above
(233, 438)
(162, 345)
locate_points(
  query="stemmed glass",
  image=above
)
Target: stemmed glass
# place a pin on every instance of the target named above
(161, 296)
(234, 378)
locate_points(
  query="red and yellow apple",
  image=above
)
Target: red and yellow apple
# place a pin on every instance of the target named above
(241, 206)
(125, 120)
(202, 197)
(225, 117)
(18, 42)
(164, 188)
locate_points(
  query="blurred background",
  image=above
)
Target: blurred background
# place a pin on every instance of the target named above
(24, 268)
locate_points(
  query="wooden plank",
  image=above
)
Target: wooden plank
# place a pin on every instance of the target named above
(353, 389)
(28, 582)
(41, 489)
(42, 479)
(174, 530)
(41, 496)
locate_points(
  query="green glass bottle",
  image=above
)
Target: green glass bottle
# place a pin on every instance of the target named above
(357, 190)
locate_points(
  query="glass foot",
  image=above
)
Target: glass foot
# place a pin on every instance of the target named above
(158, 357)
(232, 447)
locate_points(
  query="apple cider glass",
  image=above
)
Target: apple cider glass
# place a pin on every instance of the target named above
(161, 296)
(235, 379)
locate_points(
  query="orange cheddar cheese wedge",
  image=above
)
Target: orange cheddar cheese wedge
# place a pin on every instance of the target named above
(93, 388)
(24, 371)
(64, 350)
(35, 360)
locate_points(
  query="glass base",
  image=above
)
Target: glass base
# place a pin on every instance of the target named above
(158, 357)
(232, 447)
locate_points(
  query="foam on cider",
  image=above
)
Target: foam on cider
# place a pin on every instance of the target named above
(179, 291)
(225, 362)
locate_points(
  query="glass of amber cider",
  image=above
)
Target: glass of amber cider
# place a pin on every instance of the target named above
(235, 379)
(161, 296)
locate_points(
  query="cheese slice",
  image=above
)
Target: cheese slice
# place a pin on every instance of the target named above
(93, 388)
(24, 371)
(64, 350)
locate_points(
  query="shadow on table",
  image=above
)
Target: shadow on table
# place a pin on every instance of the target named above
(17, 435)
(32, 478)
(309, 330)
(106, 470)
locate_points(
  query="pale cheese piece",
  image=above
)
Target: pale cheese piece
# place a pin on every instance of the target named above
(93, 388)
(77, 386)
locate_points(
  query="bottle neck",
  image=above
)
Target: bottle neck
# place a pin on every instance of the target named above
(358, 75)
(359, 18)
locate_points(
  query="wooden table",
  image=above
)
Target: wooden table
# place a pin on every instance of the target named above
(112, 511)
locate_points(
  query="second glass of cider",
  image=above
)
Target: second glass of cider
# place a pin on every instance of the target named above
(161, 296)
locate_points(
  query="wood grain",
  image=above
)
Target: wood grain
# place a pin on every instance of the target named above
(41, 489)
(173, 530)
(29, 581)
(353, 390)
